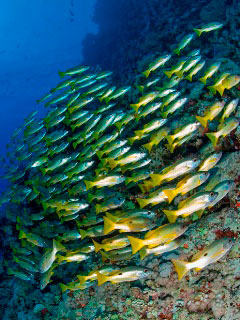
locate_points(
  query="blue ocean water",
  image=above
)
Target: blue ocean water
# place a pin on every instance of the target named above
(37, 39)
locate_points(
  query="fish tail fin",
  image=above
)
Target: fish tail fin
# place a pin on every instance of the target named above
(82, 279)
(168, 73)
(98, 208)
(43, 170)
(140, 88)
(146, 73)
(109, 225)
(97, 245)
(170, 139)
(189, 77)
(142, 202)
(101, 278)
(112, 163)
(171, 215)
(61, 74)
(156, 178)
(213, 136)
(131, 140)
(148, 146)
(107, 100)
(100, 154)
(73, 127)
(136, 244)
(135, 106)
(212, 89)
(203, 80)
(63, 287)
(143, 253)
(202, 120)
(22, 235)
(58, 246)
(198, 31)
(177, 51)
(60, 258)
(127, 181)
(164, 114)
(139, 133)
(181, 267)
(83, 233)
(89, 184)
(75, 145)
(104, 256)
(90, 197)
(118, 125)
(171, 194)
(220, 89)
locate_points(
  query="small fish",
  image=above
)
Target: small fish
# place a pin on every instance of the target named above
(92, 232)
(33, 238)
(107, 93)
(229, 109)
(109, 204)
(123, 275)
(21, 275)
(210, 113)
(223, 130)
(49, 256)
(137, 224)
(118, 93)
(222, 189)
(198, 67)
(89, 220)
(46, 277)
(104, 181)
(80, 167)
(153, 198)
(148, 84)
(210, 72)
(218, 82)
(72, 286)
(169, 98)
(125, 120)
(162, 248)
(211, 253)
(138, 176)
(182, 132)
(105, 270)
(153, 238)
(156, 138)
(144, 100)
(173, 82)
(179, 168)
(156, 64)
(210, 161)
(208, 27)
(173, 106)
(73, 71)
(73, 257)
(80, 103)
(149, 109)
(150, 126)
(129, 157)
(190, 63)
(176, 68)
(123, 254)
(228, 83)
(183, 43)
(197, 202)
(116, 242)
(103, 125)
(26, 265)
(113, 145)
(189, 183)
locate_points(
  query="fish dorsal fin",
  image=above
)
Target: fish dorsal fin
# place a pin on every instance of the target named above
(199, 254)
(182, 203)
(151, 232)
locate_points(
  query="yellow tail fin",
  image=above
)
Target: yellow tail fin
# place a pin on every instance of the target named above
(202, 120)
(112, 163)
(156, 178)
(58, 246)
(104, 256)
(63, 287)
(213, 136)
(140, 88)
(100, 154)
(146, 73)
(177, 51)
(198, 31)
(189, 77)
(139, 133)
(101, 278)
(148, 146)
(171, 215)
(89, 184)
(98, 208)
(143, 253)
(170, 139)
(220, 89)
(83, 233)
(135, 106)
(109, 225)
(169, 73)
(203, 80)
(127, 181)
(22, 235)
(181, 267)
(212, 89)
(61, 74)
(97, 245)
(142, 202)
(82, 279)
(136, 244)
(171, 194)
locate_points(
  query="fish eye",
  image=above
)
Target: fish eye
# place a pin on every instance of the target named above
(205, 254)
(145, 270)
(149, 212)
(195, 159)
(120, 274)
(212, 194)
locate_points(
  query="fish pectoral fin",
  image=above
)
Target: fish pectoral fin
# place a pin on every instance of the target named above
(198, 269)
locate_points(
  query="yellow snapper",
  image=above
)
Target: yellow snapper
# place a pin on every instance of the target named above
(116, 242)
(104, 181)
(154, 198)
(183, 43)
(195, 70)
(197, 202)
(229, 109)
(208, 27)
(179, 168)
(218, 82)
(163, 234)
(210, 113)
(228, 83)
(156, 64)
(117, 255)
(124, 274)
(182, 132)
(93, 274)
(210, 161)
(223, 130)
(162, 248)
(211, 253)
(189, 183)
(127, 158)
(210, 72)
(150, 126)
(49, 256)
(144, 100)
(156, 138)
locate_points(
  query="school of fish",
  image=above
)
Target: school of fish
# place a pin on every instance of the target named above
(82, 183)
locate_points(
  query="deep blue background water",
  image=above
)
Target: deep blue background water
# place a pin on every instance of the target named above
(37, 39)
